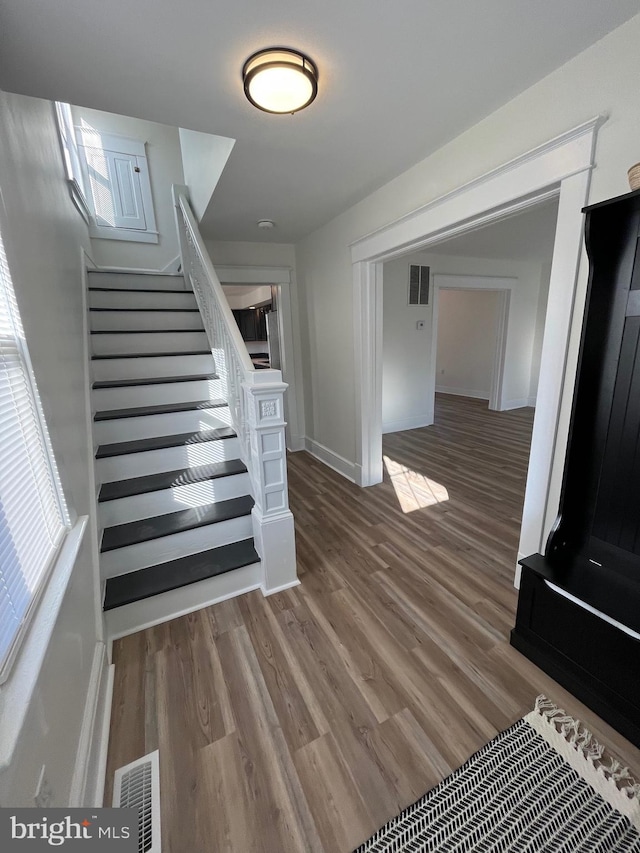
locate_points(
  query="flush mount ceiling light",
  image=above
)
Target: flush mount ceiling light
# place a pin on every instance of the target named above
(266, 223)
(280, 80)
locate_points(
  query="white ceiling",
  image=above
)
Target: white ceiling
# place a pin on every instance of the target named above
(528, 236)
(246, 296)
(397, 80)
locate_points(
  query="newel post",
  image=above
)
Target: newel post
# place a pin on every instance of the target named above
(273, 528)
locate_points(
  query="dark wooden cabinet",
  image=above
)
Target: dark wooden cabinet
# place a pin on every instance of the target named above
(252, 323)
(593, 552)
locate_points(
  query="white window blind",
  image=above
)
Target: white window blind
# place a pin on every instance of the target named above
(33, 514)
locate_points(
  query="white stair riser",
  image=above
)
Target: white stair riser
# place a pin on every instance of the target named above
(145, 342)
(136, 281)
(150, 426)
(151, 504)
(149, 367)
(168, 459)
(141, 320)
(104, 399)
(144, 554)
(141, 300)
(132, 618)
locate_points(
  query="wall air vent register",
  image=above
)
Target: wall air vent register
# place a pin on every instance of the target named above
(418, 284)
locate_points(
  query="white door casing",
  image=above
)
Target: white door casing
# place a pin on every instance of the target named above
(561, 167)
(279, 277)
(503, 287)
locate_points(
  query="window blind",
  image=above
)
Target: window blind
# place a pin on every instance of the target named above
(33, 515)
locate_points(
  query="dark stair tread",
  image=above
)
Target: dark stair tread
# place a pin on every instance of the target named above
(163, 409)
(161, 442)
(169, 479)
(144, 331)
(138, 290)
(134, 532)
(150, 354)
(155, 310)
(153, 380)
(134, 586)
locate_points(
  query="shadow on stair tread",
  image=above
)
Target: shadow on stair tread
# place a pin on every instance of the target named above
(134, 532)
(154, 380)
(135, 586)
(160, 409)
(138, 290)
(161, 442)
(169, 479)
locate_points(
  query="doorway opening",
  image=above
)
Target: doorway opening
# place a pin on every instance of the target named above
(260, 298)
(558, 169)
(474, 357)
(469, 336)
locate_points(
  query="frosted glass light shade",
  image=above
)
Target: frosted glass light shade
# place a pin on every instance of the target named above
(279, 80)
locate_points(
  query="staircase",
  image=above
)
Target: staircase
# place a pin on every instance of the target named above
(174, 499)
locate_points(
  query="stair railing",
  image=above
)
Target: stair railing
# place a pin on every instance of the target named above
(256, 403)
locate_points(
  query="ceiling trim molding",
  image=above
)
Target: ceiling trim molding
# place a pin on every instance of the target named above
(491, 217)
(545, 164)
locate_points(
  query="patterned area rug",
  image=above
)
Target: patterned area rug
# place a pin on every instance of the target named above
(541, 785)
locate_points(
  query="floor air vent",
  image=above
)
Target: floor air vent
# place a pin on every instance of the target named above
(137, 786)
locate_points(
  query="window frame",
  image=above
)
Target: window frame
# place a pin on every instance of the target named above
(116, 143)
(71, 158)
(38, 423)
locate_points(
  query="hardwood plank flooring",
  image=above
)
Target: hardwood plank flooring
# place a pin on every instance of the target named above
(304, 721)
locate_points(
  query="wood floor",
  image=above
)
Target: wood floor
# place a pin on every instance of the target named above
(304, 721)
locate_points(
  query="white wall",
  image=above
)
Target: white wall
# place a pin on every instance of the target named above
(165, 168)
(407, 353)
(229, 253)
(43, 233)
(467, 335)
(603, 79)
(543, 298)
(204, 156)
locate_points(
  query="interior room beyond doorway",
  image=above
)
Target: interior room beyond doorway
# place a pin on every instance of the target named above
(467, 342)
(491, 341)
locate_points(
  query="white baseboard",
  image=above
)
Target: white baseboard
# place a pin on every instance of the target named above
(140, 615)
(517, 404)
(103, 739)
(463, 392)
(268, 592)
(88, 781)
(518, 572)
(296, 444)
(407, 423)
(333, 460)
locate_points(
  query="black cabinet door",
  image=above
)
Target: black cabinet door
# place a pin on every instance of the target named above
(252, 323)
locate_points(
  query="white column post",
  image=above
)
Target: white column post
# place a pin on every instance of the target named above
(273, 528)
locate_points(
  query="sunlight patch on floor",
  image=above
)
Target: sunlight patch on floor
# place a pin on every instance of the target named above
(414, 490)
